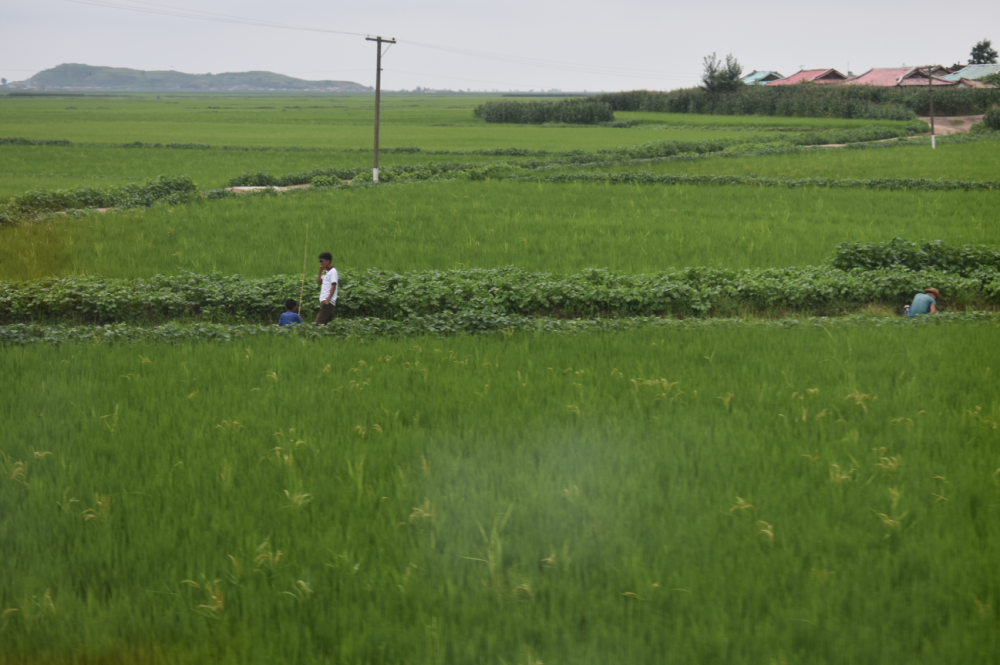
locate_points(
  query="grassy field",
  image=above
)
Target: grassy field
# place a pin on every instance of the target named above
(463, 224)
(707, 494)
(738, 496)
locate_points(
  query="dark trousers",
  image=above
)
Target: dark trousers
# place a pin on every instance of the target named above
(325, 314)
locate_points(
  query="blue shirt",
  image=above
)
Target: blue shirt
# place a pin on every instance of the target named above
(289, 318)
(921, 304)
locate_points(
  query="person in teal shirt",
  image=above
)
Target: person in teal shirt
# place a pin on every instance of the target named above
(923, 303)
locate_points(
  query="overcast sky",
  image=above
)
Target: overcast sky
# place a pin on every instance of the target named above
(537, 44)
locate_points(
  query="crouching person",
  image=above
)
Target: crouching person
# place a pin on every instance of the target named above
(290, 317)
(923, 303)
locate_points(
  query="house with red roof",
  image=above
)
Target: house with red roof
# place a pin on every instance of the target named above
(897, 77)
(812, 76)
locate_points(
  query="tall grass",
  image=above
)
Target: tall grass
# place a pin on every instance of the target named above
(739, 496)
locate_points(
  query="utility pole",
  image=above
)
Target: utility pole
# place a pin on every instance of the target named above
(378, 91)
(930, 90)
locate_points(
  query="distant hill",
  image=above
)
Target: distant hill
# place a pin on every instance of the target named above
(88, 77)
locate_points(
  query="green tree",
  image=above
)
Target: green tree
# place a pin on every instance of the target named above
(983, 53)
(721, 77)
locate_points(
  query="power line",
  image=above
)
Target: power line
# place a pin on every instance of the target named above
(168, 10)
(537, 62)
(459, 78)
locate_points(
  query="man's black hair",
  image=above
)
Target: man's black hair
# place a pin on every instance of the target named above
(291, 304)
(326, 255)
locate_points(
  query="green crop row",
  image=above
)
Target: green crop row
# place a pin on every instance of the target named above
(445, 324)
(821, 101)
(326, 177)
(650, 178)
(570, 111)
(508, 291)
(669, 151)
(39, 201)
(937, 255)
(499, 152)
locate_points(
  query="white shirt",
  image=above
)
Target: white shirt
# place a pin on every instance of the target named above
(329, 282)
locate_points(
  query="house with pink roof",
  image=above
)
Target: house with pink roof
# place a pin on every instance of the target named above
(812, 76)
(895, 77)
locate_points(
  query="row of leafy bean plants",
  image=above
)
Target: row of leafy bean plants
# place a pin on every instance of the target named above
(509, 291)
(937, 255)
(736, 151)
(806, 100)
(174, 190)
(40, 203)
(443, 325)
(650, 178)
(499, 152)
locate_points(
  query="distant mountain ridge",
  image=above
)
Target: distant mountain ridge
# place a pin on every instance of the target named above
(73, 76)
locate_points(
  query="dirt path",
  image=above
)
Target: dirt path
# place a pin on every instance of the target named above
(943, 125)
(955, 124)
(247, 190)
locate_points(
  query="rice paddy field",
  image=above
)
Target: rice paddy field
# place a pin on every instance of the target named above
(744, 492)
(325, 127)
(950, 161)
(463, 224)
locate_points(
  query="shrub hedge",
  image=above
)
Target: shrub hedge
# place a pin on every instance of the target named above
(570, 111)
(809, 100)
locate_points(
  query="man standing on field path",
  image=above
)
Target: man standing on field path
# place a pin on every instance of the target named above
(327, 281)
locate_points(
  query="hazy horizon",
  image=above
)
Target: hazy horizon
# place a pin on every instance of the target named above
(524, 46)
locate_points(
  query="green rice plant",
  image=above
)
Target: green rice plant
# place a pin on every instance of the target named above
(779, 485)
(465, 224)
